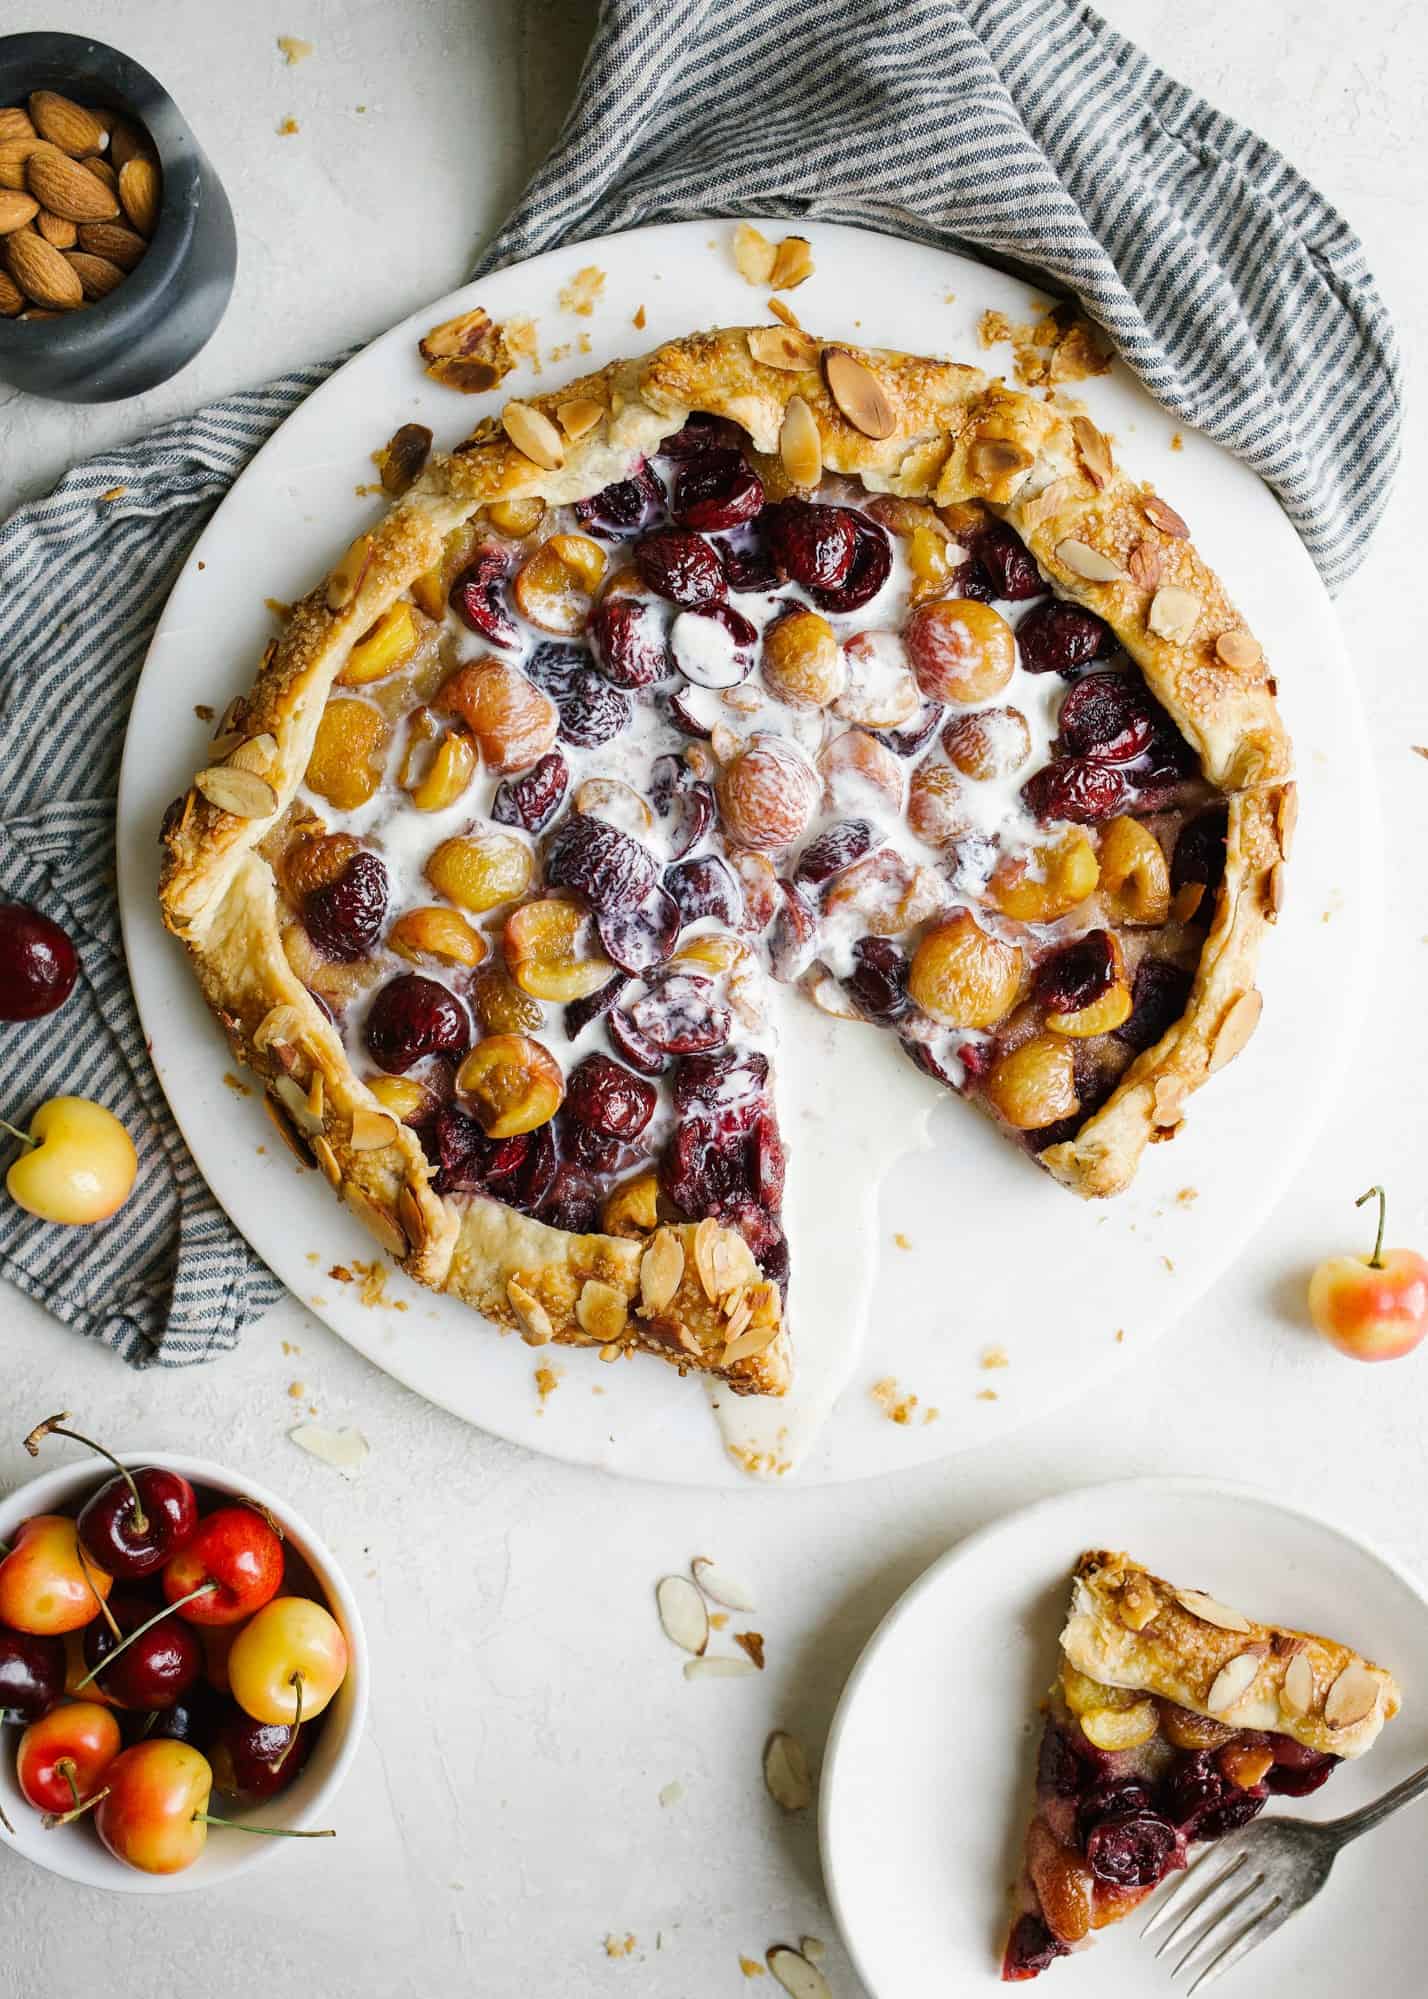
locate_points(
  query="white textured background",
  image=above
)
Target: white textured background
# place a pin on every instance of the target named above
(504, 1814)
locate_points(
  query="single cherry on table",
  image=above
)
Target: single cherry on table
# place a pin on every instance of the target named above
(1372, 1307)
(78, 1164)
(38, 965)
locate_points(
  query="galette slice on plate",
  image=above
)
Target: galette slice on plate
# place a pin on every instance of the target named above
(1173, 1720)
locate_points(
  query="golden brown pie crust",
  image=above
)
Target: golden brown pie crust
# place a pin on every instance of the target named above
(957, 436)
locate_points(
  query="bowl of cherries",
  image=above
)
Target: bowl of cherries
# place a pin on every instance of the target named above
(183, 1673)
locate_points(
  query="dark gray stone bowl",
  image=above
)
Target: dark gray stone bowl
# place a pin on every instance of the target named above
(155, 322)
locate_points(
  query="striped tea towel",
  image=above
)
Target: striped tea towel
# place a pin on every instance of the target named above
(1023, 130)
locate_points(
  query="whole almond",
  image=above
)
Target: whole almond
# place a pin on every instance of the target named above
(41, 271)
(66, 188)
(15, 124)
(127, 142)
(57, 229)
(12, 299)
(139, 193)
(114, 241)
(96, 274)
(14, 155)
(65, 124)
(16, 210)
(102, 170)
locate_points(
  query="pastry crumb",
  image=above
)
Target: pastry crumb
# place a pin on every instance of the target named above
(1120, 1335)
(583, 292)
(1187, 1197)
(366, 492)
(931, 1415)
(1419, 749)
(672, 1793)
(902, 1241)
(751, 1642)
(896, 1407)
(547, 1380)
(638, 322)
(114, 493)
(340, 1274)
(995, 1357)
(718, 1619)
(293, 49)
(758, 1464)
(1169, 1262)
(751, 1967)
(374, 1283)
(287, 128)
(619, 1946)
(278, 608)
(297, 1390)
(988, 1395)
(520, 334)
(786, 313)
(1061, 346)
(1177, 443)
(202, 710)
(236, 1084)
(288, 1346)
(949, 298)
(472, 352)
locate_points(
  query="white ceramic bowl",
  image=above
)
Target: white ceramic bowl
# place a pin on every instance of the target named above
(76, 1851)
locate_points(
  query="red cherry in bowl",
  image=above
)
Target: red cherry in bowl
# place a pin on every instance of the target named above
(38, 966)
(156, 1667)
(31, 1673)
(236, 1551)
(137, 1519)
(253, 1760)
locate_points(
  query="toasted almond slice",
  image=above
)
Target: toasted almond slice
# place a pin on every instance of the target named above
(782, 310)
(345, 1450)
(753, 254)
(283, 1125)
(748, 1345)
(1353, 1696)
(1144, 565)
(793, 262)
(1162, 515)
(1095, 451)
(858, 393)
(295, 1098)
(1296, 1695)
(1232, 1682)
(992, 459)
(813, 1948)
(381, 1221)
(536, 1328)
(412, 1217)
(1211, 1611)
(534, 435)
(1287, 818)
(327, 1160)
(1236, 1028)
(799, 1978)
(578, 417)
(1087, 562)
(682, 1614)
(1239, 649)
(661, 1270)
(372, 1130)
(1138, 1605)
(346, 579)
(279, 1023)
(1173, 613)
(720, 1666)
(601, 1310)
(241, 792)
(783, 348)
(316, 1098)
(254, 753)
(1274, 892)
(720, 1585)
(800, 444)
(1040, 508)
(731, 1263)
(786, 1772)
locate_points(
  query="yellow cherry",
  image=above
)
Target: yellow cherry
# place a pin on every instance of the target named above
(78, 1165)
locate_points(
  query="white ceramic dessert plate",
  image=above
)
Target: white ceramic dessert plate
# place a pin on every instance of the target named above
(927, 1778)
(959, 1246)
(75, 1851)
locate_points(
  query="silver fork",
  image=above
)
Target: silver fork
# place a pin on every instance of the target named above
(1248, 1883)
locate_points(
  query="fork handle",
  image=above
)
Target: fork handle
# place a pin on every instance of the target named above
(1364, 1820)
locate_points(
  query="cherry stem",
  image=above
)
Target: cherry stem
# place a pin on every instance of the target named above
(107, 1613)
(295, 1682)
(204, 1589)
(24, 1138)
(6, 1823)
(1376, 1260)
(53, 1819)
(65, 1766)
(268, 1831)
(53, 1426)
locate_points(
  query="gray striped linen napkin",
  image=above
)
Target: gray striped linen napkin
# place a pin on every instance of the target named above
(1024, 131)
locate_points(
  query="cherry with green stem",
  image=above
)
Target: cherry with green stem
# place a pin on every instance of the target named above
(1375, 1262)
(136, 1520)
(158, 1674)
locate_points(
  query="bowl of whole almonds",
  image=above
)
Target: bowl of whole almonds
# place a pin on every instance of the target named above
(117, 248)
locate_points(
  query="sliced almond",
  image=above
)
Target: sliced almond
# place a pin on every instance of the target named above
(578, 417)
(1240, 650)
(786, 1772)
(1236, 1028)
(720, 1666)
(1087, 562)
(753, 254)
(781, 309)
(858, 393)
(536, 1328)
(316, 1099)
(1296, 1695)
(254, 753)
(1173, 613)
(1211, 1611)
(793, 262)
(783, 348)
(346, 579)
(992, 459)
(799, 1978)
(682, 1614)
(241, 792)
(283, 1125)
(601, 1310)
(750, 1344)
(372, 1130)
(534, 435)
(1168, 1101)
(379, 1220)
(1353, 1696)
(1044, 504)
(1232, 1682)
(327, 1160)
(294, 1098)
(718, 1584)
(1095, 451)
(1162, 515)
(279, 1023)
(345, 1450)
(800, 444)
(1286, 818)
(1145, 565)
(412, 1217)
(1274, 891)
(661, 1270)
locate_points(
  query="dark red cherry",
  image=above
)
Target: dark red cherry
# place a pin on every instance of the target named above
(700, 433)
(1077, 788)
(592, 711)
(344, 919)
(1199, 854)
(1031, 1947)
(750, 570)
(1235, 1809)
(478, 597)
(1057, 637)
(918, 733)
(611, 869)
(627, 634)
(713, 645)
(413, 1016)
(1295, 1772)
(129, 1530)
(156, 1669)
(38, 965)
(680, 1015)
(793, 938)
(638, 1050)
(877, 985)
(580, 1012)
(705, 886)
(680, 566)
(683, 801)
(1077, 974)
(607, 1098)
(811, 544)
(1160, 993)
(1008, 564)
(731, 1086)
(31, 1673)
(1134, 1850)
(623, 508)
(532, 799)
(1107, 715)
(717, 489)
(868, 571)
(638, 939)
(254, 1760)
(835, 848)
(554, 665)
(573, 1201)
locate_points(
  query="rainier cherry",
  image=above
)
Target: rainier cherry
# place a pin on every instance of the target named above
(1372, 1307)
(65, 1754)
(234, 1549)
(46, 1585)
(78, 1164)
(288, 1663)
(154, 1814)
